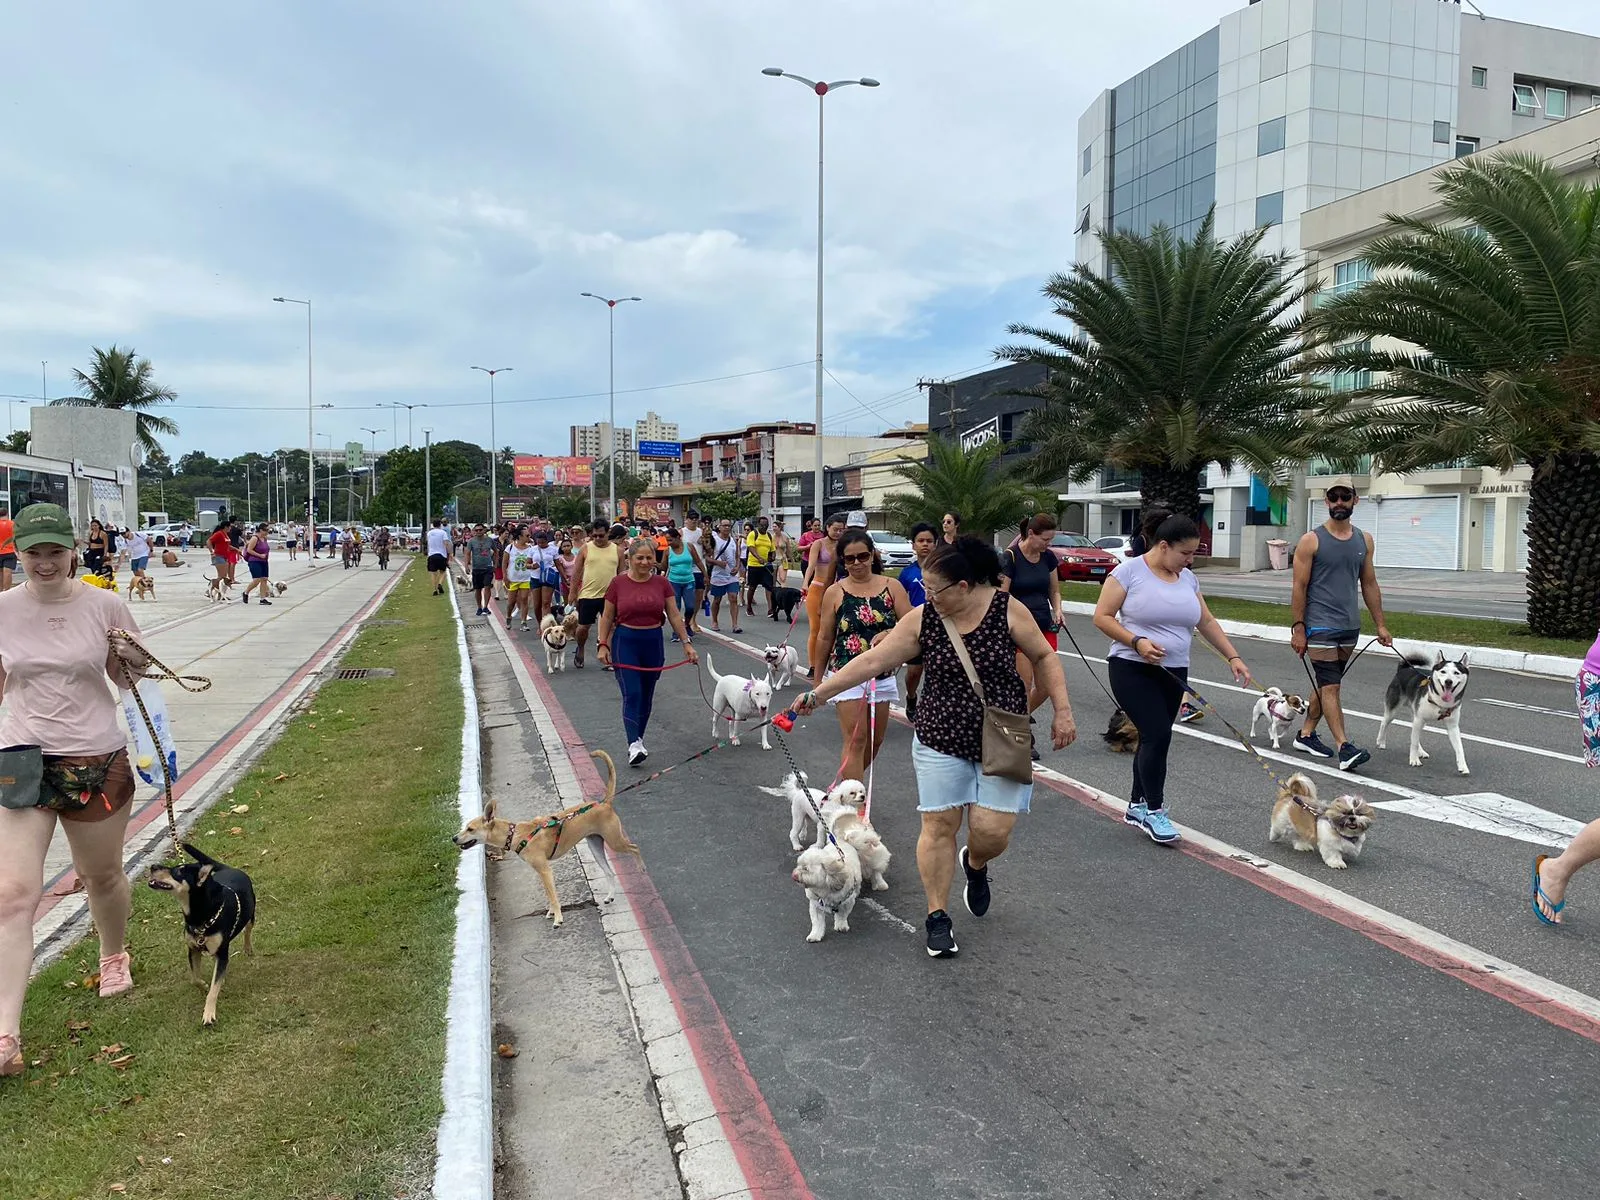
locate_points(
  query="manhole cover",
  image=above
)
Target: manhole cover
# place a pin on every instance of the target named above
(364, 673)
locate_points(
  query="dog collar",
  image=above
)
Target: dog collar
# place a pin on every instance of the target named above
(1279, 710)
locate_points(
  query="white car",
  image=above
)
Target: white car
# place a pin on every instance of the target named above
(896, 552)
(1120, 545)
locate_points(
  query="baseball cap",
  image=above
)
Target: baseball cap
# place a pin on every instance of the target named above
(44, 525)
(1339, 481)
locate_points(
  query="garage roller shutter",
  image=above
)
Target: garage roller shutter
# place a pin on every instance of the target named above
(1417, 531)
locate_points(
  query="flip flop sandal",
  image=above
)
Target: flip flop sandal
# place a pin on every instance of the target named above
(738, 629)
(1539, 894)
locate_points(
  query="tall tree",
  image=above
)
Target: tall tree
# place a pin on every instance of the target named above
(968, 483)
(120, 379)
(402, 491)
(1482, 331)
(1187, 352)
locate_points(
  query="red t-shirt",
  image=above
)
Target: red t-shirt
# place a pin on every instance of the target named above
(642, 605)
(222, 546)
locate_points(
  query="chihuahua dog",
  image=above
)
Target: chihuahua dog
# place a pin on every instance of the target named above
(1281, 712)
(219, 904)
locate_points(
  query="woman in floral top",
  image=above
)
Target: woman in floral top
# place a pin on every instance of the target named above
(857, 611)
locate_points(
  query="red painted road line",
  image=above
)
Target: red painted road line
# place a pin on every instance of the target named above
(1470, 973)
(764, 1156)
(53, 891)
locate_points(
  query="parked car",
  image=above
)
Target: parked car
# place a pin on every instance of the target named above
(161, 535)
(1121, 545)
(1081, 559)
(896, 552)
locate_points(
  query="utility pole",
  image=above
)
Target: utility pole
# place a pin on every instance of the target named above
(952, 409)
(427, 480)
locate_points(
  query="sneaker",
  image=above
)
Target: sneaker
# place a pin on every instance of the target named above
(643, 752)
(941, 935)
(975, 895)
(1352, 756)
(524, 627)
(636, 753)
(1189, 713)
(264, 600)
(116, 975)
(1136, 814)
(1160, 827)
(1310, 743)
(245, 598)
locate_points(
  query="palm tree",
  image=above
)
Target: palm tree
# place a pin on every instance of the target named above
(950, 480)
(1187, 353)
(119, 378)
(1490, 321)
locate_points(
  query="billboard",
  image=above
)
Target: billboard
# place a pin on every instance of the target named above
(672, 451)
(651, 512)
(515, 508)
(980, 435)
(529, 470)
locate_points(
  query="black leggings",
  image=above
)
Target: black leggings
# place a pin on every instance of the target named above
(1151, 696)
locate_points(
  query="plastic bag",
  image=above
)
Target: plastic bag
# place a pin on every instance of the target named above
(144, 747)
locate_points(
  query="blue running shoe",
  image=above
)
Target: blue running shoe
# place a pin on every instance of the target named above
(1136, 814)
(1160, 827)
(1310, 743)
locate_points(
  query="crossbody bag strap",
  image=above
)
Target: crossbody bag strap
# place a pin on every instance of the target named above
(960, 647)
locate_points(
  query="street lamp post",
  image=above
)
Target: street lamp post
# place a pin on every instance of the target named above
(311, 436)
(494, 450)
(329, 436)
(372, 477)
(822, 90)
(409, 408)
(611, 414)
(427, 480)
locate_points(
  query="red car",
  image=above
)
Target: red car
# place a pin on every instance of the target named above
(1079, 558)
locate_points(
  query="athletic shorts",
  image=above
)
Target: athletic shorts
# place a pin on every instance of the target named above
(118, 791)
(482, 577)
(699, 581)
(883, 691)
(589, 611)
(725, 589)
(8, 562)
(137, 564)
(945, 782)
(1330, 651)
(438, 562)
(258, 570)
(219, 560)
(521, 585)
(1588, 691)
(759, 576)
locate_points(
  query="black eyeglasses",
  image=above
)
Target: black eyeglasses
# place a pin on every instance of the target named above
(1341, 494)
(852, 559)
(932, 592)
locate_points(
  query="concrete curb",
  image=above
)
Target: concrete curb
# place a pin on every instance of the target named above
(1493, 657)
(464, 1169)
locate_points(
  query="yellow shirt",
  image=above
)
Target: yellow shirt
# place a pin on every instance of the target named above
(599, 569)
(759, 548)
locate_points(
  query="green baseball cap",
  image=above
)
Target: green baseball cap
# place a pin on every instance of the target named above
(44, 525)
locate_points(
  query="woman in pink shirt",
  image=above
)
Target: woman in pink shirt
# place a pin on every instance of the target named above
(1551, 875)
(55, 657)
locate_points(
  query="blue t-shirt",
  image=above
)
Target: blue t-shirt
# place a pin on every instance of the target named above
(911, 580)
(1166, 613)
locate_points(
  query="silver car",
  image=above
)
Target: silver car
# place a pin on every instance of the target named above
(896, 552)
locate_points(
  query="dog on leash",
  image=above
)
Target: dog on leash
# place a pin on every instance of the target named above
(142, 588)
(555, 634)
(738, 698)
(831, 874)
(1121, 734)
(219, 905)
(216, 589)
(782, 661)
(1281, 713)
(806, 802)
(543, 840)
(1428, 693)
(280, 588)
(1337, 831)
(785, 600)
(847, 825)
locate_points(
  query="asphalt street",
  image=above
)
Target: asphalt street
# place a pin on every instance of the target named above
(1132, 1020)
(1496, 596)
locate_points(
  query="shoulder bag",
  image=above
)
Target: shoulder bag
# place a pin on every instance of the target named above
(1007, 741)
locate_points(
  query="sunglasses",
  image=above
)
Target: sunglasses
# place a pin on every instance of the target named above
(852, 559)
(1341, 494)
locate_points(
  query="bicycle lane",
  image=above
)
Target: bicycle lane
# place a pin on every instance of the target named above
(1126, 1021)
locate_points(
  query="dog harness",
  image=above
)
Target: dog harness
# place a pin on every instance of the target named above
(834, 908)
(556, 822)
(1279, 710)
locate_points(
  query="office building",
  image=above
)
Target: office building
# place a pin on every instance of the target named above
(592, 441)
(653, 429)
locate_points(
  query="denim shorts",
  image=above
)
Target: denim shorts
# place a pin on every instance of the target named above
(725, 589)
(945, 782)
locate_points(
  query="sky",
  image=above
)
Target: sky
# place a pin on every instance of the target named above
(442, 181)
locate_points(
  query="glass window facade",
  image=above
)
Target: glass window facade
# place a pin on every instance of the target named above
(1086, 160)
(1480, 77)
(1350, 274)
(1466, 146)
(1164, 142)
(1555, 102)
(1270, 136)
(1441, 132)
(36, 487)
(1269, 209)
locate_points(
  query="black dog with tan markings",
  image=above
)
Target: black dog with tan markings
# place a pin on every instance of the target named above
(219, 904)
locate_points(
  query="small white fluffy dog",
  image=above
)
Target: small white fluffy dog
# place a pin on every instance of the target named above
(1280, 711)
(555, 635)
(831, 874)
(738, 699)
(1336, 831)
(847, 825)
(781, 664)
(805, 802)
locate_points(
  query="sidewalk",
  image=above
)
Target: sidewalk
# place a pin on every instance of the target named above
(1494, 595)
(260, 659)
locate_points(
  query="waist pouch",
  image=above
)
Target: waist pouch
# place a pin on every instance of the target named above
(31, 779)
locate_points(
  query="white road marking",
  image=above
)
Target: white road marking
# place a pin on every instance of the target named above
(1534, 708)
(1485, 812)
(888, 916)
(1472, 957)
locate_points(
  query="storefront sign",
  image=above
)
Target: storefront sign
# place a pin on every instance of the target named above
(980, 435)
(790, 487)
(1498, 489)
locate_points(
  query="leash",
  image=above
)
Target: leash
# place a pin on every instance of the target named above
(682, 662)
(872, 737)
(165, 673)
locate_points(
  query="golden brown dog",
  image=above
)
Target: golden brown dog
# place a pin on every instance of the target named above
(1336, 831)
(543, 840)
(1121, 734)
(142, 588)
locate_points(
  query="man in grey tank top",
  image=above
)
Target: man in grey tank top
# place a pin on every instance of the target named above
(1333, 573)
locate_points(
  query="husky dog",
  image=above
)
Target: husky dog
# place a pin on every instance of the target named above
(1428, 693)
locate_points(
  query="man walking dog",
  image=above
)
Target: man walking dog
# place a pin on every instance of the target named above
(1333, 574)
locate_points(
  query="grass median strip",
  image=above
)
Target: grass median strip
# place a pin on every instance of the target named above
(321, 1078)
(1459, 631)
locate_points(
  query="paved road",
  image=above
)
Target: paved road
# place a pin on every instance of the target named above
(1497, 596)
(1132, 1020)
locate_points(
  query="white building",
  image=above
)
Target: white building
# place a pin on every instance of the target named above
(594, 441)
(653, 429)
(1287, 105)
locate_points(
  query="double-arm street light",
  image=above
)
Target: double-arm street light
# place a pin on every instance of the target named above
(611, 412)
(822, 90)
(311, 437)
(410, 408)
(494, 449)
(372, 478)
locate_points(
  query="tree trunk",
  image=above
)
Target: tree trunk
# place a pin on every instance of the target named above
(1564, 547)
(1175, 489)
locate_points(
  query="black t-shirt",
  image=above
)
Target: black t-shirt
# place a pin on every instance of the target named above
(1031, 583)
